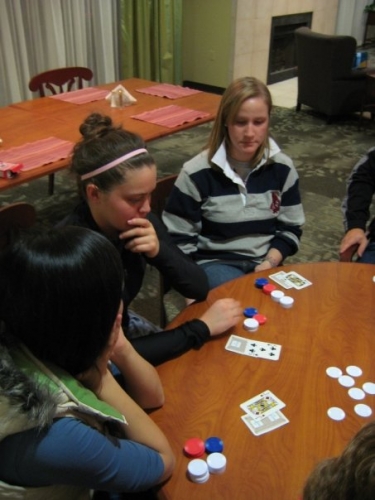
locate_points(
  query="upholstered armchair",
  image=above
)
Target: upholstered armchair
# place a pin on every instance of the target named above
(326, 80)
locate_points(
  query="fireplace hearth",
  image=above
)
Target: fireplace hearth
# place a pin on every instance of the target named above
(282, 59)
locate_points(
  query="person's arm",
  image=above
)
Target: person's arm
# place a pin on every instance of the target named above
(141, 380)
(168, 344)
(178, 269)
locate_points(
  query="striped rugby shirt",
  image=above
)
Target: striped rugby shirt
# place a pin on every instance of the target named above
(213, 215)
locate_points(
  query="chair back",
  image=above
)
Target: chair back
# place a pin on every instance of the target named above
(60, 80)
(13, 218)
(160, 194)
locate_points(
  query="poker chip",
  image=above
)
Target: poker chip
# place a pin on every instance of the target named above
(194, 447)
(214, 445)
(336, 413)
(369, 387)
(249, 312)
(260, 318)
(261, 282)
(354, 371)
(268, 289)
(198, 470)
(276, 295)
(217, 463)
(362, 410)
(286, 302)
(251, 324)
(333, 371)
(356, 393)
(346, 381)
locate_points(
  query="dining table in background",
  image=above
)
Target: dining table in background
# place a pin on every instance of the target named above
(330, 324)
(39, 118)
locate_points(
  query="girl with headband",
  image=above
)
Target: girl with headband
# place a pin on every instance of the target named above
(116, 176)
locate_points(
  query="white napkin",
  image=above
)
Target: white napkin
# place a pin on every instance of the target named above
(120, 97)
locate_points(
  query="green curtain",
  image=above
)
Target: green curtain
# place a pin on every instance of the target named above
(150, 41)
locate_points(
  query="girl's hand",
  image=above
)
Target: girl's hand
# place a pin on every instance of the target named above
(142, 238)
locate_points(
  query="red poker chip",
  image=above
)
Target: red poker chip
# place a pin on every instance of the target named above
(260, 318)
(267, 289)
(194, 447)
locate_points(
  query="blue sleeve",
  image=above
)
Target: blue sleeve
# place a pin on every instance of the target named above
(71, 452)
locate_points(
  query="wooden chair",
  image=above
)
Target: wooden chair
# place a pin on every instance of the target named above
(349, 253)
(58, 81)
(13, 218)
(159, 199)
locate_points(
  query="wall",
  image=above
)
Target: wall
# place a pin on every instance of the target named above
(239, 31)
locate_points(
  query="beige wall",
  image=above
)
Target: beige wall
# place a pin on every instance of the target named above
(226, 39)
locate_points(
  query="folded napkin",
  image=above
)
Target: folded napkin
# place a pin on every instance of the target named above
(120, 97)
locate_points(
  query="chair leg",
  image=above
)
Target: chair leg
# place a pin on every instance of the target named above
(298, 107)
(51, 183)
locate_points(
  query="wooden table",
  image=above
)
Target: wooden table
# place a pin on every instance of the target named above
(36, 119)
(331, 324)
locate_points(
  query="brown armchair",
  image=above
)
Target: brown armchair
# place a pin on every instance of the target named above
(326, 81)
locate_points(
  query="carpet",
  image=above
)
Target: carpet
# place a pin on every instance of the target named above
(323, 154)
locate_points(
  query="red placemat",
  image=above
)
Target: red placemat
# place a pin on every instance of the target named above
(38, 153)
(168, 90)
(81, 96)
(171, 116)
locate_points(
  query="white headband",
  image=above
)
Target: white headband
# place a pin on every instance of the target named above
(113, 163)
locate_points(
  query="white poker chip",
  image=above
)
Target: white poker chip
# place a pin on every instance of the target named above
(251, 324)
(286, 302)
(198, 470)
(356, 393)
(336, 413)
(373, 279)
(333, 371)
(362, 410)
(354, 371)
(369, 387)
(276, 295)
(346, 381)
(216, 463)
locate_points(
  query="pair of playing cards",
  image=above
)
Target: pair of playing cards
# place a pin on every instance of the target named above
(253, 348)
(262, 413)
(290, 280)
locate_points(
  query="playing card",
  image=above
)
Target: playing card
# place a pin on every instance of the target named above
(266, 424)
(265, 350)
(296, 280)
(262, 405)
(279, 278)
(237, 344)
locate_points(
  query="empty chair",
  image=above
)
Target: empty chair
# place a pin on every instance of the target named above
(327, 81)
(14, 218)
(58, 81)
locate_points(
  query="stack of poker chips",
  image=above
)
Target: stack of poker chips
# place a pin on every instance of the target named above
(199, 470)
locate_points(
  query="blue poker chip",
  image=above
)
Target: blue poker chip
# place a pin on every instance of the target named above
(260, 282)
(214, 445)
(249, 312)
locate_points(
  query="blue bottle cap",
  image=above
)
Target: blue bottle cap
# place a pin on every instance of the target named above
(249, 312)
(214, 445)
(260, 282)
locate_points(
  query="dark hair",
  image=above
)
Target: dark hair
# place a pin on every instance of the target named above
(236, 93)
(101, 143)
(61, 291)
(351, 476)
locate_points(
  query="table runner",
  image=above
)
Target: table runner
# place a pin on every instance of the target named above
(168, 90)
(81, 96)
(38, 153)
(171, 116)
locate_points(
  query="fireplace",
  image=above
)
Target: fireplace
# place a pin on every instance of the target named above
(282, 59)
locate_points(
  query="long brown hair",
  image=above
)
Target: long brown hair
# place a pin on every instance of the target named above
(237, 92)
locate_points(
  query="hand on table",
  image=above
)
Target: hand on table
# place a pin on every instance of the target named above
(222, 315)
(142, 237)
(354, 236)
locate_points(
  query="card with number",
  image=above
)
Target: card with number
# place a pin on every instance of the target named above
(296, 280)
(266, 424)
(264, 350)
(262, 405)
